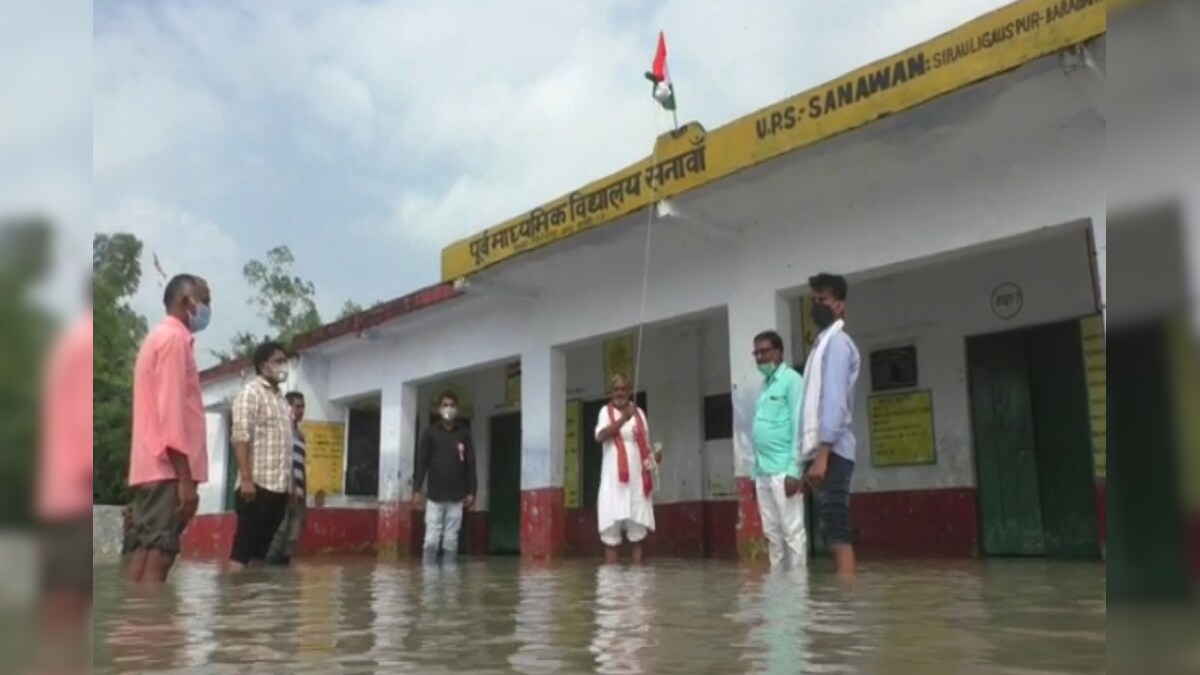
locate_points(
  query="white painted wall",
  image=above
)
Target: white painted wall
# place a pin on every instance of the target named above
(936, 308)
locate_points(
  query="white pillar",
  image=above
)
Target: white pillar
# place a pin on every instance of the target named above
(543, 417)
(397, 441)
(752, 311)
(212, 493)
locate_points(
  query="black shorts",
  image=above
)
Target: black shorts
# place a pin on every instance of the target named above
(257, 521)
(833, 500)
(156, 524)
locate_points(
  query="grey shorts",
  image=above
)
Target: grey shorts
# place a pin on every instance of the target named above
(156, 522)
(833, 500)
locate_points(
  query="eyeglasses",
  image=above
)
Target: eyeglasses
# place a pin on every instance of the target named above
(762, 352)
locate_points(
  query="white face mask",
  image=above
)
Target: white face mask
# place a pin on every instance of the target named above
(449, 413)
(281, 375)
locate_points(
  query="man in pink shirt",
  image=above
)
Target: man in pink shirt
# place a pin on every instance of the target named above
(168, 458)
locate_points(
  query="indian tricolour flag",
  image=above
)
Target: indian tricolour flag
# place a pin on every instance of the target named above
(660, 76)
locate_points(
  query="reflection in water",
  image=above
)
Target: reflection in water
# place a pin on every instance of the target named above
(536, 614)
(623, 641)
(775, 606)
(499, 616)
(193, 587)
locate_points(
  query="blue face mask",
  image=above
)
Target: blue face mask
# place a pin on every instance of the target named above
(198, 320)
(767, 368)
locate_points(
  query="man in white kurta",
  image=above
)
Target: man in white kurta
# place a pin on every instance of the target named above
(624, 502)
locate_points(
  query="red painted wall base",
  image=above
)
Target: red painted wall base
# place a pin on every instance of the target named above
(543, 524)
(682, 530)
(326, 531)
(915, 524)
(751, 544)
(394, 533)
(903, 523)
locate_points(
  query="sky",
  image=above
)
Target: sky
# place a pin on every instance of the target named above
(368, 135)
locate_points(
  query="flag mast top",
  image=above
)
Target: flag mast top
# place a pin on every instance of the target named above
(662, 89)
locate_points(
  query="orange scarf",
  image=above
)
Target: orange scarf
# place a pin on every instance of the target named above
(639, 435)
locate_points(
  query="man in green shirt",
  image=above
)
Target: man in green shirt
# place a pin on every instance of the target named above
(776, 439)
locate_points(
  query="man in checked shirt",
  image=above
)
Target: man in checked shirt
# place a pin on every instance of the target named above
(262, 443)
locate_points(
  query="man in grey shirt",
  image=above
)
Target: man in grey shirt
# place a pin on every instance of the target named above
(829, 445)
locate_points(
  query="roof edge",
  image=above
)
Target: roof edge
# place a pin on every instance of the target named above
(354, 324)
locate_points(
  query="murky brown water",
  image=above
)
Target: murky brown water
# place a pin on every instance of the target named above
(498, 616)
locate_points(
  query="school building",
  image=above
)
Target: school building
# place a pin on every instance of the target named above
(959, 185)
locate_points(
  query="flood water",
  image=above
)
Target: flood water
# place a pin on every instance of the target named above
(501, 616)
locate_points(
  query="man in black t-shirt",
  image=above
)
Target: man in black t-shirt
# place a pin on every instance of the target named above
(446, 456)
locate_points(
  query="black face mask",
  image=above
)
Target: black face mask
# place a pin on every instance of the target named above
(823, 316)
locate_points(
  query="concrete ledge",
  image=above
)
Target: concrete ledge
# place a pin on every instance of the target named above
(108, 530)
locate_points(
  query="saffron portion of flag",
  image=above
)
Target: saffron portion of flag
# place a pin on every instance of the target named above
(660, 76)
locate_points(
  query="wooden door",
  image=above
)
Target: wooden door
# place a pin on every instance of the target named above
(1010, 510)
(504, 485)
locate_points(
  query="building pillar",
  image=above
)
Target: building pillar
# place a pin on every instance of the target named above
(543, 436)
(397, 452)
(751, 312)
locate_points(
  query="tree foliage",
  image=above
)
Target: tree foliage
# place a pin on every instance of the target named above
(288, 303)
(349, 309)
(25, 330)
(118, 333)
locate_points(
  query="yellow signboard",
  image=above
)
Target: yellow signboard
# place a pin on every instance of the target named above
(326, 448)
(902, 431)
(618, 358)
(691, 157)
(573, 468)
(512, 384)
(1095, 364)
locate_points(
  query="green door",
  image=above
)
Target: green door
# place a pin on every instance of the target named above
(1010, 512)
(504, 485)
(1062, 437)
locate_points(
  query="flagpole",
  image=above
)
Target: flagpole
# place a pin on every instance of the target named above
(675, 118)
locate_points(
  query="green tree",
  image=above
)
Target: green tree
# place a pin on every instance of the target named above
(25, 245)
(118, 332)
(285, 301)
(349, 309)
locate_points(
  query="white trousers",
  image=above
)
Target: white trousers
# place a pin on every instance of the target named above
(634, 531)
(443, 520)
(783, 522)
